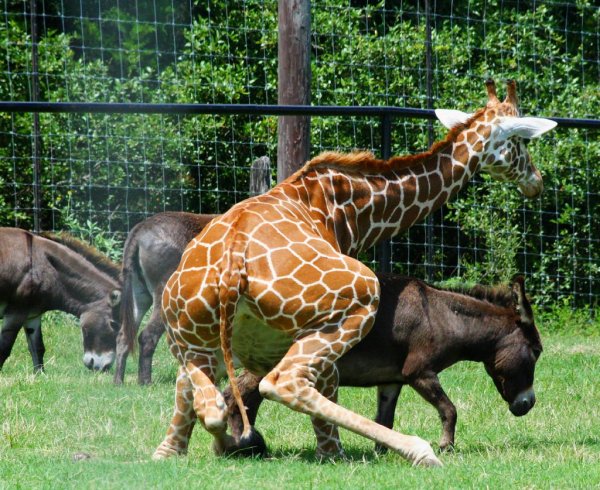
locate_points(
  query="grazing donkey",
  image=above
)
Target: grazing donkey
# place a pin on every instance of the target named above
(421, 330)
(152, 252)
(56, 272)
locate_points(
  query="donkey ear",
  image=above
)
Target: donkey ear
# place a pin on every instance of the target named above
(115, 297)
(521, 301)
(451, 117)
(526, 127)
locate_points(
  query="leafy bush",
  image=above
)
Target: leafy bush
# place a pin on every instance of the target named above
(110, 171)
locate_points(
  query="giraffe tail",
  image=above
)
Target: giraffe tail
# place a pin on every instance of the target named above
(231, 287)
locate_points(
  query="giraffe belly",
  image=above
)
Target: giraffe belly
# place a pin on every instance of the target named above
(258, 346)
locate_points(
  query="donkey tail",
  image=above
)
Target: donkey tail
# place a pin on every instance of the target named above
(128, 325)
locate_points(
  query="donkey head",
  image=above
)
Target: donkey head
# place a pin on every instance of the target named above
(499, 137)
(99, 326)
(512, 365)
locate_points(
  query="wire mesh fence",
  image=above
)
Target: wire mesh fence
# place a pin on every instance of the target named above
(102, 173)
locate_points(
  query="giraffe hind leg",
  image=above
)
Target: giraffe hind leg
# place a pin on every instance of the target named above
(292, 382)
(209, 404)
(329, 445)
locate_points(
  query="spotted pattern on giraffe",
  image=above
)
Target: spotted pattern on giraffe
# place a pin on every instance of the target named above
(286, 261)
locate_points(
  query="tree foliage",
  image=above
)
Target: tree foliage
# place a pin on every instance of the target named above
(112, 170)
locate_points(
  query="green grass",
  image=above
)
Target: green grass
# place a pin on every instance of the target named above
(47, 419)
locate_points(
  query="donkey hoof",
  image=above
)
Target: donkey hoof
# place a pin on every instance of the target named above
(446, 447)
(223, 445)
(381, 449)
(250, 446)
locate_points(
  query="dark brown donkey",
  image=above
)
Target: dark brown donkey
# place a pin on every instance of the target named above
(421, 330)
(38, 274)
(151, 254)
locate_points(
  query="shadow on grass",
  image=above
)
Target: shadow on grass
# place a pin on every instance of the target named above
(360, 455)
(308, 455)
(526, 443)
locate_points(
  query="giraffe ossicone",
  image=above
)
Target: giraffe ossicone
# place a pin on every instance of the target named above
(275, 279)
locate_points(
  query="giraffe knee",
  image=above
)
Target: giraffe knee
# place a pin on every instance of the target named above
(290, 389)
(213, 414)
(267, 388)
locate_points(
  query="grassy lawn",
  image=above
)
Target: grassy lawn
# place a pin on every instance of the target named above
(48, 419)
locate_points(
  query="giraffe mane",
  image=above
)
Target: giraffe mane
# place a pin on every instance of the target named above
(366, 162)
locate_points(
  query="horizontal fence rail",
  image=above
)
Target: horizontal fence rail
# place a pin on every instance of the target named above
(248, 109)
(385, 256)
(378, 68)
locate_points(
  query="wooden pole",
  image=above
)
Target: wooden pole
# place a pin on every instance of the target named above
(293, 73)
(260, 176)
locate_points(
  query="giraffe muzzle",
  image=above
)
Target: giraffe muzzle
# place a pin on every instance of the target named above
(533, 186)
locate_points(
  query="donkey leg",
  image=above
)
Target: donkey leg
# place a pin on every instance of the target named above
(35, 342)
(10, 329)
(387, 399)
(182, 424)
(431, 390)
(148, 340)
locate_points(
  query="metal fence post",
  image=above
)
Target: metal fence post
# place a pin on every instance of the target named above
(37, 143)
(430, 135)
(384, 250)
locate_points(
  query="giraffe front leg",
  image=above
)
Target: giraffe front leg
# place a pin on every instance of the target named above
(179, 432)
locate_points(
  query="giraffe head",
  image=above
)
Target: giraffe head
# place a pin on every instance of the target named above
(498, 137)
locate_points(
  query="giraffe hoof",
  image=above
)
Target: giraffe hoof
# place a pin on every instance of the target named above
(166, 451)
(430, 461)
(324, 457)
(421, 453)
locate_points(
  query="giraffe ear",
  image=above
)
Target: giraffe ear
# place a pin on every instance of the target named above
(526, 127)
(451, 117)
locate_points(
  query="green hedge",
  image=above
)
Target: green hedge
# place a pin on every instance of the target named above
(108, 171)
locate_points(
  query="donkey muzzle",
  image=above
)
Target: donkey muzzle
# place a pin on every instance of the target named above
(98, 362)
(523, 402)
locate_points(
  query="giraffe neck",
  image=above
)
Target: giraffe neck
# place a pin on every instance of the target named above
(356, 204)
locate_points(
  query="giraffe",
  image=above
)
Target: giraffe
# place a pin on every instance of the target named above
(274, 280)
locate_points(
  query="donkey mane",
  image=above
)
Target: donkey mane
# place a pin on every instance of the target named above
(500, 295)
(365, 162)
(99, 260)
